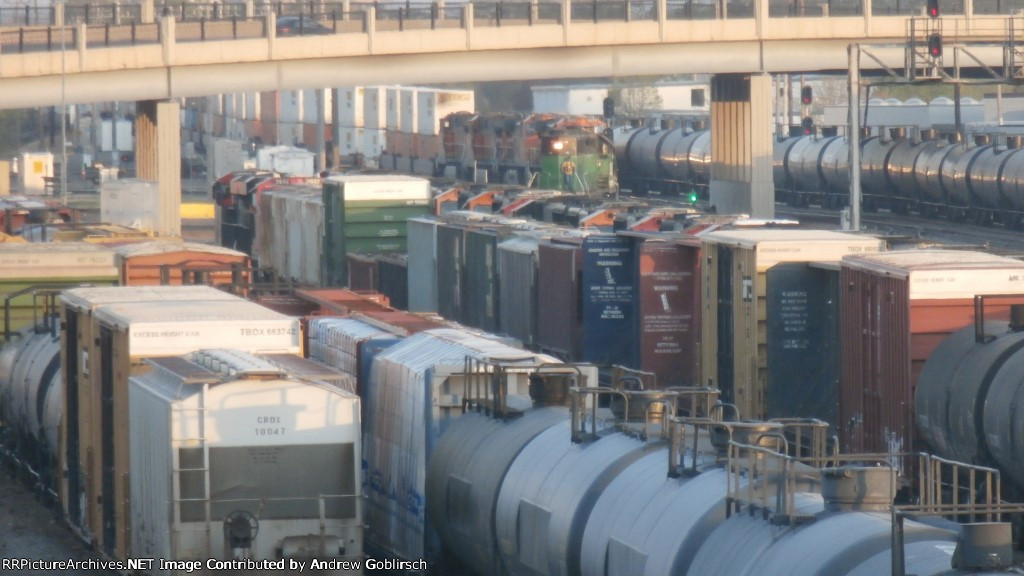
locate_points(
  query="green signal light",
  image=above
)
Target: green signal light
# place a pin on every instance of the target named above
(693, 197)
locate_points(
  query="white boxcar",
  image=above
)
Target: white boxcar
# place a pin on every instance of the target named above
(233, 456)
(417, 388)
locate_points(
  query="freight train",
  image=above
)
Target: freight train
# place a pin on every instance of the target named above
(519, 472)
(980, 181)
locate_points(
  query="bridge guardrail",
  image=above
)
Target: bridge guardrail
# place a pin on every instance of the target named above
(18, 16)
(130, 35)
(102, 14)
(234, 29)
(48, 39)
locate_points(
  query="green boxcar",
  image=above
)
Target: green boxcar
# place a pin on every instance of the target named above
(365, 214)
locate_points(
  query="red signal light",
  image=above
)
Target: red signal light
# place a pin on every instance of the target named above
(935, 45)
(933, 8)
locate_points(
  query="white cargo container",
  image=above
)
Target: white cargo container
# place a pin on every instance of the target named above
(134, 203)
(219, 438)
(311, 101)
(349, 109)
(33, 170)
(43, 262)
(387, 190)
(393, 113)
(375, 106)
(225, 156)
(435, 105)
(407, 118)
(286, 160)
(418, 387)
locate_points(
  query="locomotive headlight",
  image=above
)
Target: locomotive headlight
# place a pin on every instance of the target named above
(557, 145)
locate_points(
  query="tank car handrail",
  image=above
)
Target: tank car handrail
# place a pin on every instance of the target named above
(578, 432)
(35, 289)
(979, 314)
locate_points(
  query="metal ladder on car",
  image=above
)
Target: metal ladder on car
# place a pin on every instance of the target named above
(200, 411)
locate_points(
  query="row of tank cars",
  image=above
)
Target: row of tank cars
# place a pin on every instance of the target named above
(979, 180)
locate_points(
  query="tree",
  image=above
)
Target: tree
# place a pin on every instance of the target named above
(635, 101)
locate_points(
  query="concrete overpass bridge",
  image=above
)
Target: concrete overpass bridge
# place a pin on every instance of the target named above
(132, 53)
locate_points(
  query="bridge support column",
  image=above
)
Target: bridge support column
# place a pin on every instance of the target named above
(158, 158)
(741, 145)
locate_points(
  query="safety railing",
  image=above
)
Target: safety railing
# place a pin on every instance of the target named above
(18, 16)
(130, 35)
(27, 40)
(115, 13)
(236, 28)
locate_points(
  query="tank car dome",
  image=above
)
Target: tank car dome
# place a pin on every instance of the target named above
(968, 100)
(877, 102)
(893, 102)
(941, 101)
(914, 102)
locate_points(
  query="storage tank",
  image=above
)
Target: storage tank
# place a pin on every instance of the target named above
(902, 160)
(215, 440)
(960, 193)
(643, 152)
(954, 387)
(928, 170)
(699, 157)
(1013, 178)
(31, 398)
(465, 474)
(804, 163)
(874, 159)
(540, 519)
(835, 165)
(851, 524)
(986, 176)
(780, 159)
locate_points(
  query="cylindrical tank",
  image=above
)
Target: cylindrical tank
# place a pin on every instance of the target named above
(674, 154)
(901, 169)
(960, 193)
(951, 392)
(641, 153)
(985, 176)
(548, 494)
(928, 170)
(1013, 180)
(465, 473)
(780, 155)
(664, 519)
(835, 165)
(804, 164)
(30, 391)
(793, 164)
(874, 157)
(852, 524)
(1003, 421)
(699, 157)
